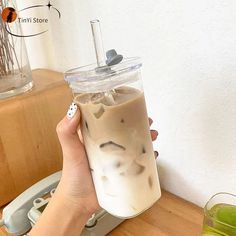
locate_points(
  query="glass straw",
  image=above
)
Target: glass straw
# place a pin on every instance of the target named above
(98, 43)
(100, 55)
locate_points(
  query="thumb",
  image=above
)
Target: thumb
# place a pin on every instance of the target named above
(67, 131)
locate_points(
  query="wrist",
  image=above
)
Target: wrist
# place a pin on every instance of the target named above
(85, 205)
(61, 217)
(68, 205)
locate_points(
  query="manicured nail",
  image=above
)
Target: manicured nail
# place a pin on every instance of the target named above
(150, 121)
(156, 154)
(72, 110)
(154, 135)
(154, 131)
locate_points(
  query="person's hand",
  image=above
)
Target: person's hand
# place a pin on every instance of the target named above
(76, 183)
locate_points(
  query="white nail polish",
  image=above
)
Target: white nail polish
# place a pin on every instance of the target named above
(72, 110)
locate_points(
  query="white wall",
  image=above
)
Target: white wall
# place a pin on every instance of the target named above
(41, 51)
(188, 50)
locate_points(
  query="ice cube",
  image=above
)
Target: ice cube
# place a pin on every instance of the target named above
(118, 164)
(100, 112)
(109, 99)
(96, 97)
(150, 181)
(134, 169)
(111, 146)
(125, 90)
(109, 189)
(86, 125)
(143, 150)
(105, 98)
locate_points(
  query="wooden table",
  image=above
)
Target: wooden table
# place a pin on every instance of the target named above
(170, 216)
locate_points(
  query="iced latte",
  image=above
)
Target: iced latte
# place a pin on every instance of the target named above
(116, 134)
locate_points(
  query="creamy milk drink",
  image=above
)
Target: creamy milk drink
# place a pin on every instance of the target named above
(116, 134)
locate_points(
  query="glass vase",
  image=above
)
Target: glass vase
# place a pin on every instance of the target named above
(15, 72)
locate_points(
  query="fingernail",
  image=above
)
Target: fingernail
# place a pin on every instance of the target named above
(155, 132)
(156, 154)
(150, 121)
(72, 110)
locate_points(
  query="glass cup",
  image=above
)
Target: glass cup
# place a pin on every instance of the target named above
(116, 134)
(220, 215)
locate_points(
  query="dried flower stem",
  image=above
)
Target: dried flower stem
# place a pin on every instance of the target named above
(9, 61)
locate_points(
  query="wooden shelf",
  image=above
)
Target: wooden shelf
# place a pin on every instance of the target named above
(170, 216)
(29, 147)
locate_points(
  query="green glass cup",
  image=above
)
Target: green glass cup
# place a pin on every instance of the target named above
(220, 215)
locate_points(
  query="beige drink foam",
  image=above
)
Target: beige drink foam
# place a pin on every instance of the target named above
(116, 134)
